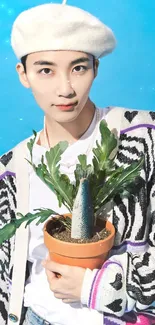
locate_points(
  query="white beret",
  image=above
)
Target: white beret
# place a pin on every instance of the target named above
(60, 27)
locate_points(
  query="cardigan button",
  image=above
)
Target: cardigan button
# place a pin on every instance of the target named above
(13, 318)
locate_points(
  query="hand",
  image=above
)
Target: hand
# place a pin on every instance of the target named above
(68, 286)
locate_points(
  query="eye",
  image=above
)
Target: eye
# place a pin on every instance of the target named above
(45, 71)
(80, 68)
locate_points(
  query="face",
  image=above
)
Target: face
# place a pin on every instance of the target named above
(60, 82)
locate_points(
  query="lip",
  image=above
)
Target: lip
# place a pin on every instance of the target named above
(67, 107)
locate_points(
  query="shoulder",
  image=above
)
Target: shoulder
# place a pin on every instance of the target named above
(131, 117)
(7, 159)
(126, 118)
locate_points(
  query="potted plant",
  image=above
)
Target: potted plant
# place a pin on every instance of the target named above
(84, 236)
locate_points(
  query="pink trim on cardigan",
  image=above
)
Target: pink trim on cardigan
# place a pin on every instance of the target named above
(94, 293)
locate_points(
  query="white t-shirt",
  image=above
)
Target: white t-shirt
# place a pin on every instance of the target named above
(38, 295)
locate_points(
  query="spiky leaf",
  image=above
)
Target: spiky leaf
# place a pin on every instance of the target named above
(7, 232)
(103, 150)
(60, 182)
(118, 182)
(31, 142)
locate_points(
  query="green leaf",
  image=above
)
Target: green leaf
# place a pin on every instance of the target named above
(96, 182)
(66, 221)
(82, 170)
(54, 155)
(7, 232)
(31, 142)
(103, 150)
(42, 214)
(83, 161)
(118, 182)
(43, 173)
(51, 176)
(105, 179)
(60, 182)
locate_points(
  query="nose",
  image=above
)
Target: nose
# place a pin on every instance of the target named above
(64, 87)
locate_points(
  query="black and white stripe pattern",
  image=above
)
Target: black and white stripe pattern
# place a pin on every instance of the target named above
(7, 211)
(134, 220)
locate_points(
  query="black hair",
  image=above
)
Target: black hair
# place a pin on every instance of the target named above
(23, 61)
(24, 58)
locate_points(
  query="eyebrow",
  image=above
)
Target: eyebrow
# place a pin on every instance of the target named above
(77, 61)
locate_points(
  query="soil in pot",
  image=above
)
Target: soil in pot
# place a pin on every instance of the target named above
(60, 232)
(88, 254)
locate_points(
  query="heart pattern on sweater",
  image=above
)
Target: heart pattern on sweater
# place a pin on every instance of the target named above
(130, 115)
(152, 114)
(6, 158)
(117, 284)
(115, 306)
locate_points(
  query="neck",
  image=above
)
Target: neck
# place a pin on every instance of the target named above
(70, 132)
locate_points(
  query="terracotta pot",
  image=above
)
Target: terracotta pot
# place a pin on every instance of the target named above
(88, 255)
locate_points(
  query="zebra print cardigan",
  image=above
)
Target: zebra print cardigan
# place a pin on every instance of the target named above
(134, 221)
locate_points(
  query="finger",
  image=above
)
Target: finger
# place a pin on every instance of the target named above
(50, 275)
(48, 259)
(54, 267)
(52, 279)
(58, 275)
(59, 295)
(67, 301)
(53, 284)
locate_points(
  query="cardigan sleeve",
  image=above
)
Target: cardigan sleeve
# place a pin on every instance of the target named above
(7, 196)
(126, 281)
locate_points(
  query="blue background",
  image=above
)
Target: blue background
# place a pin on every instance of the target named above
(126, 77)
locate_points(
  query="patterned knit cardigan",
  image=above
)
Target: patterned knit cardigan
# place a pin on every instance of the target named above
(124, 289)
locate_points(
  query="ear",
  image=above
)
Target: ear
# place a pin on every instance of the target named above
(96, 65)
(22, 75)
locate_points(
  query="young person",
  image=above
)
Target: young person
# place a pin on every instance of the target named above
(59, 47)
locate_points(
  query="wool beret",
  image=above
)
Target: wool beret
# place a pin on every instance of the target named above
(54, 26)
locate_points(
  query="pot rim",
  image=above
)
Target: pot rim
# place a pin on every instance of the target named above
(82, 244)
